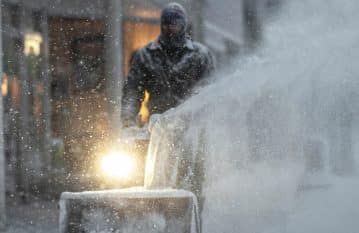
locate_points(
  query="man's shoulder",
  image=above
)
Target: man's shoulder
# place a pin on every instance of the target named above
(151, 46)
(148, 48)
(144, 49)
(200, 48)
(203, 51)
(142, 53)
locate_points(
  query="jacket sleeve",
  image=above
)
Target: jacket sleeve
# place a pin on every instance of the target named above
(210, 64)
(133, 91)
(207, 67)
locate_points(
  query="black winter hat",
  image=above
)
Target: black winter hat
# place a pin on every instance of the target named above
(174, 13)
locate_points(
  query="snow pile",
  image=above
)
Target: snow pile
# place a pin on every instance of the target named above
(279, 136)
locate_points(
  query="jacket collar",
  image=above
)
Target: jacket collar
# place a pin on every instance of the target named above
(157, 45)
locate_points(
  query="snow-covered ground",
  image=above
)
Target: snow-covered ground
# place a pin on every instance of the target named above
(328, 210)
(39, 216)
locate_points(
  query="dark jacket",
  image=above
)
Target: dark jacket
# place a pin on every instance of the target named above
(169, 77)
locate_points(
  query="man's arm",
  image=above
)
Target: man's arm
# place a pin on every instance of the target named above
(210, 63)
(207, 66)
(133, 91)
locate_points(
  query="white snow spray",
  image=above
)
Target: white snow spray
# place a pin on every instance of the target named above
(279, 136)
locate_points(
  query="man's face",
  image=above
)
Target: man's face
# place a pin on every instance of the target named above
(171, 29)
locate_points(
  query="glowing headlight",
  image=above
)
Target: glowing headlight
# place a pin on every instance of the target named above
(118, 165)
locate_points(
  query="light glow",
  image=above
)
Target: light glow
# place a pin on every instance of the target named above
(32, 43)
(4, 85)
(118, 165)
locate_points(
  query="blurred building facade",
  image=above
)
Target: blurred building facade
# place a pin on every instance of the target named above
(59, 56)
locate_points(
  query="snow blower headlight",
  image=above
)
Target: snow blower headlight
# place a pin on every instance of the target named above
(118, 165)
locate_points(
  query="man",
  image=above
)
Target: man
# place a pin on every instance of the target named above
(167, 68)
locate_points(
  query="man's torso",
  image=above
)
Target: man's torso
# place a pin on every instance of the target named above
(170, 77)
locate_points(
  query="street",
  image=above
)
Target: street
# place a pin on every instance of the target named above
(39, 216)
